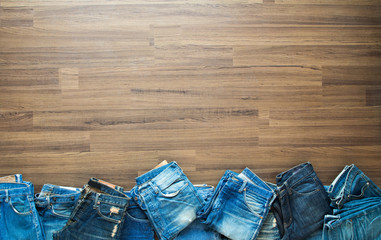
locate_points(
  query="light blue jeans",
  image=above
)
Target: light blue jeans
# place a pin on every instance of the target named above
(168, 198)
(18, 215)
(239, 205)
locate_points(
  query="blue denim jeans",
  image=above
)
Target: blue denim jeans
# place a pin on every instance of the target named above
(269, 229)
(168, 198)
(238, 206)
(55, 205)
(356, 220)
(98, 214)
(136, 224)
(357, 207)
(18, 215)
(198, 230)
(301, 203)
(351, 184)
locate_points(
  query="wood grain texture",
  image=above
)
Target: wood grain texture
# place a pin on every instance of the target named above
(109, 89)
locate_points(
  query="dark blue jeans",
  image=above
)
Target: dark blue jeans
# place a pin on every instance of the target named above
(99, 213)
(301, 203)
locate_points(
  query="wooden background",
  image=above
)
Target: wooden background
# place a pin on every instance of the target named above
(108, 89)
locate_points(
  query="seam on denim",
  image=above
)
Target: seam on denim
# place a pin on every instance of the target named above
(301, 179)
(146, 220)
(174, 194)
(30, 212)
(152, 218)
(58, 214)
(202, 202)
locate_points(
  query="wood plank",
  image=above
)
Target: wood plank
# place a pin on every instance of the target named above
(44, 141)
(168, 139)
(16, 121)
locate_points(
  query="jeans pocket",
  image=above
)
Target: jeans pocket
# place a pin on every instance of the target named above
(254, 205)
(21, 205)
(62, 210)
(308, 185)
(174, 189)
(110, 212)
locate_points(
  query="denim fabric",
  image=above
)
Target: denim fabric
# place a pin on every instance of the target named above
(98, 214)
(168, 198)
(136, 224)
(198, 230)
(356, 220)
(351, 184)
(18, 215)
(301, 203)
(238, 206)
(269, 229)
(54, 205)
(357, 207)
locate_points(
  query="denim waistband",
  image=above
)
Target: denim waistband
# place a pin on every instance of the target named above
(294, 175)
(15, 189)
(50, 189)
(160, 175)
(114, 200)
(255, 179)
(57, 194)
(107, 188)
(341, 188)
(239, 184)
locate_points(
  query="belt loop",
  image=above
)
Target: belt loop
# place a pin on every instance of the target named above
(288, 188)
(155, 188)
(242, 188)
(96, 200)
(6, 196)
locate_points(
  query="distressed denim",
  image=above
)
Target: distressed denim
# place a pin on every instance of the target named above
(168, 198)
(238, 206)
(18, 215)
(55, 205)
(136, 224)
(301, 203)
(198, 230)
(98, 214)
(269, 229)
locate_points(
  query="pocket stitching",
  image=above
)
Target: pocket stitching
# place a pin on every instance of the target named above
(174, 194)
(20, 213)
(251, 210)
(105, 217)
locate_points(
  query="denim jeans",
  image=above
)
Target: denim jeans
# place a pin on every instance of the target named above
(168, 198)
(198, 230)
(357, 207)
(136, 224)
(269, 229)
(356, 220)
(351, 184)
(238, 206)
(54, 205)
(301, 203)
(18, 215)
(98, 214)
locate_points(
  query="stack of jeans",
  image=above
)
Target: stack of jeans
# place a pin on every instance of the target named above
(166, 204)
(356, 204)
